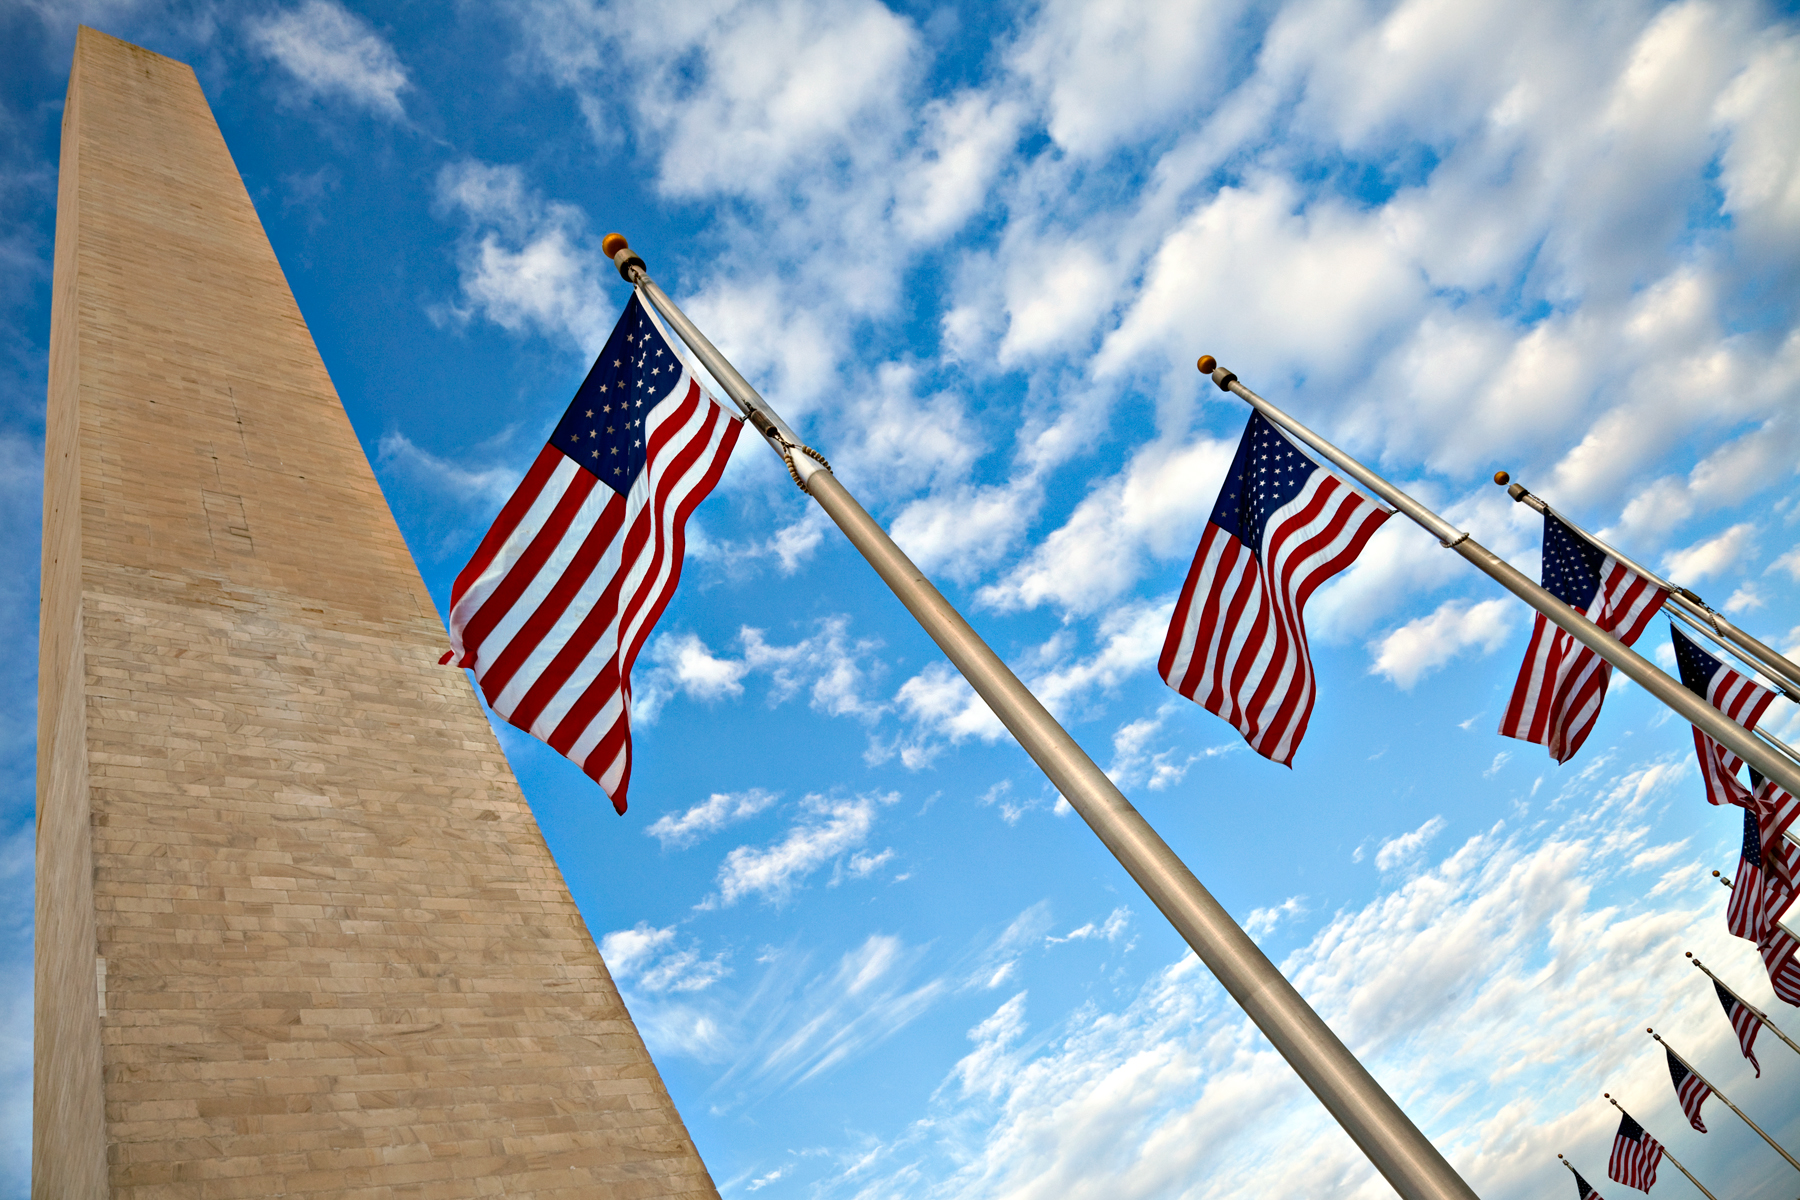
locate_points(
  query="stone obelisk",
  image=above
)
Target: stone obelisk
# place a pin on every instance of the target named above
(297, 931)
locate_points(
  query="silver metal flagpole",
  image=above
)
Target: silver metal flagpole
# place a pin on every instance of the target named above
(1403, 1155)
(1759, 1013)
(1695, 711)
(1721, 1095)
(1667, 1155)
(1691, 607)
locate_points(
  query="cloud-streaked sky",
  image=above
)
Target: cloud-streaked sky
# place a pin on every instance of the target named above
(972, 252)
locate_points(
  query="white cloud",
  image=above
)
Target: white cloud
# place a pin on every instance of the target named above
(1262, 921)
(716, 812)
(331, 51)
(526, 264)
(1106, 71)
(1789, 562)
(1108, 930)
(1711, 556)
(827, 828)
(647, 956)
(1424, 644)
(1407, 847)
(1152, 510)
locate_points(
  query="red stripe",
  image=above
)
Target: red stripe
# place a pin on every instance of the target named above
(520, 574)
(556, 602)
(1172, 641)
(568, 731)
(511, 513)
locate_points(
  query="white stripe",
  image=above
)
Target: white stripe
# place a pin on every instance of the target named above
(1196, 609)
(556, 564)
(484, 584)
(632, 574)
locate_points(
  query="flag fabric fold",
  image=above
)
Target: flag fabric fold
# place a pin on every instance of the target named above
(1763, 889)
(1690, 1089)
(1635, 1155)
(1744, 1022)
(1236, 644)
(1778, 951)
(1561, 684)
(1733, 694)
(565, 588)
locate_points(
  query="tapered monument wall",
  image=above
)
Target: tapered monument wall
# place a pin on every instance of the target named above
(297, 931)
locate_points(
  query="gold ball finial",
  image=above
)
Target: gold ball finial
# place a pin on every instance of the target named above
(1649, 1030)
(1207, 364)
(1501, 478)
(612, 243)
(1715, 874)
(1689, 953)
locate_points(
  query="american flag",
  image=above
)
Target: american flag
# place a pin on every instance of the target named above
(1733, 694)
(1778, 951)
(1689, 1089)
(1768, 866)
(1561, 684)
(1635, 1155)
(1237, 644)
(1584, 1189)
(565, 588)
(1744, 1022)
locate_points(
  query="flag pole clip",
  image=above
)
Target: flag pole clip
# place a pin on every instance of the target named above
(790, 449)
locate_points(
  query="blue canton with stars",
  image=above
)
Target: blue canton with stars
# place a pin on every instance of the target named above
(1752, 839)
(1697, 666)
(1571, 565)
(1268, 472)
(604, 427)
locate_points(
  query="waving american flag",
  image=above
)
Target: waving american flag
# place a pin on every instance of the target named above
(1561, 684)
(562, 593)
(1236, 644)
(1735, 695)
(1746, 1022)
(1635, 1155)
(1690, 1090)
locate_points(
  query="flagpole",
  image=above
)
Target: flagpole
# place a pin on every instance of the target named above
(1565, 1162)
(1698, 612)
(1667, 1155)
(1711, 721)
(1721, 1095)
(1396, 1147)
(1759, 1013)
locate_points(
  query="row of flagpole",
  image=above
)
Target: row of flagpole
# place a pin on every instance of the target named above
(1761, 756)
(1395, 1146)
(1636, 1153)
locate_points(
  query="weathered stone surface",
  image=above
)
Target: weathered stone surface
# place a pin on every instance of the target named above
(338, 958)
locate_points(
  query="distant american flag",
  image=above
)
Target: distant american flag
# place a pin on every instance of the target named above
(1768, 866)
(1584, 1189)
(565, 588)
(1236, 644)
(1635, 1155)
(1562, 683)
(1744, 1022)
(1733, 694)
(1690, 1089)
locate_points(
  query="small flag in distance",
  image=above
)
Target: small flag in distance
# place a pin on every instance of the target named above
(1635, 1155)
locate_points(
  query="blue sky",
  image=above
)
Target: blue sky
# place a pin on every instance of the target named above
(973, 252)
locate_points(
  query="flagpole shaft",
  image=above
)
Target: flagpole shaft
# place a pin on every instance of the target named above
(1396, 1147)
(1760, 1014)
(1690, 707)
(1728, 1104)
(1689, 1174)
